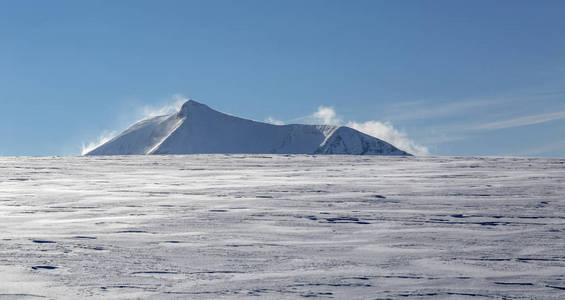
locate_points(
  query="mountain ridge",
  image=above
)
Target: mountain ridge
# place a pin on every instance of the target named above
(198, 129)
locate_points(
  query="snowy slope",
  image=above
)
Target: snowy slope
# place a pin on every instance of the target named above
(198, 129)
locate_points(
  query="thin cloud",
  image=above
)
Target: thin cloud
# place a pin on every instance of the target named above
(416, 111)
(523, 121)
(542, 150)
(423, 109)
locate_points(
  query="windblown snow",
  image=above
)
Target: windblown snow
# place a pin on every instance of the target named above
(198, 129)
(281, 227)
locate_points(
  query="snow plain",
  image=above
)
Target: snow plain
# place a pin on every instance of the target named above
(281, 227)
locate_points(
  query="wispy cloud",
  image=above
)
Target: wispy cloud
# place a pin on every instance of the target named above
(423, 110)
(523, 121)
(433, 109)
(438, 122)
(541, 150)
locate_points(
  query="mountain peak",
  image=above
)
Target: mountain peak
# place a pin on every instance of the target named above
(197, 129)
(191, 106)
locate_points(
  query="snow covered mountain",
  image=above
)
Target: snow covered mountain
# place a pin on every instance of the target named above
(197, 128)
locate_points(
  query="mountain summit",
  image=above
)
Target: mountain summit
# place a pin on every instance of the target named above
(198, 129)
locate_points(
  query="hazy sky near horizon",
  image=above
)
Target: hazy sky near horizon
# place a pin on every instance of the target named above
(452, 77)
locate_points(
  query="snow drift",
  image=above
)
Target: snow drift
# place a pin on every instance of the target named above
(198, 129)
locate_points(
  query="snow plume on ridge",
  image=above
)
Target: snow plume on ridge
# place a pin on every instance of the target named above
(102, 139)
(149, 111)
(384, 131)
(327, 116)
(274, 121)
(387, 132)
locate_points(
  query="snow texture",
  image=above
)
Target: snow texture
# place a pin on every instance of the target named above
(281, 227)
(198, 129)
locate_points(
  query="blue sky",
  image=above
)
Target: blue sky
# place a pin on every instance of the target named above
(452, 77)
